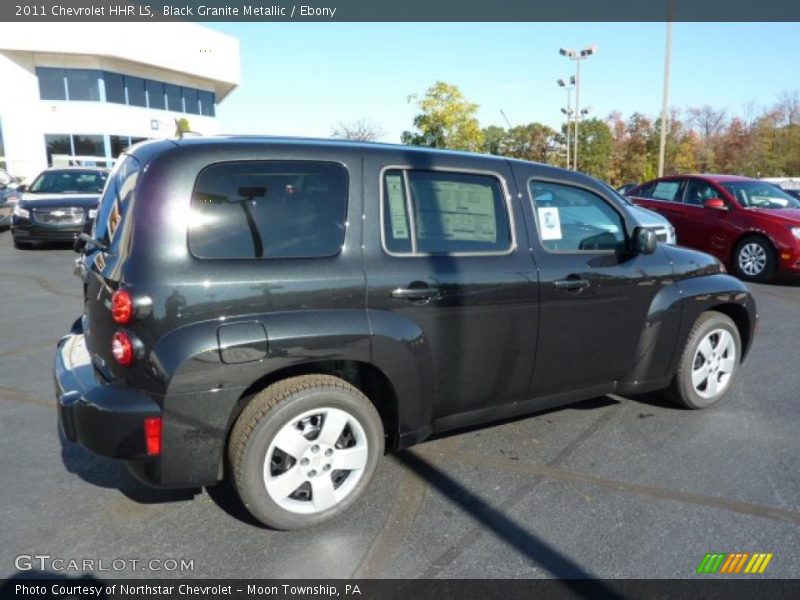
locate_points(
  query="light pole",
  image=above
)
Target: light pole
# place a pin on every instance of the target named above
(568, 110)
(578, 56)
(662, 150)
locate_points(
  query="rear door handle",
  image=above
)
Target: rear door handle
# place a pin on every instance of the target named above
(571, 284)
(420, 293)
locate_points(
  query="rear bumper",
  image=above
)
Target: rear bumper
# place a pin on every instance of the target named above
(106, 419)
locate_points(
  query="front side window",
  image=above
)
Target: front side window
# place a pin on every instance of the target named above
(698, 191)
(572, 219)
(451, 213)
(268, 209)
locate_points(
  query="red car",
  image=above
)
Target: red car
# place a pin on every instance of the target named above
(752, 226)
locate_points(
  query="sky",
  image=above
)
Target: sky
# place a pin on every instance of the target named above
(305, 78)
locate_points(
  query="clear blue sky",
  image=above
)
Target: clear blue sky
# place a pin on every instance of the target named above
(303, 79)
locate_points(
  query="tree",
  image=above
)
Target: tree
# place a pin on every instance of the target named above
(362, 130)
(181, 127)
(595, 145)
(446, 120)
(528, 142)
(493, 136)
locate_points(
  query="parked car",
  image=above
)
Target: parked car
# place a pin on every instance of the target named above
(750, 225)
(280, 311)
(650, 219)
(59, 205)
(8, 195)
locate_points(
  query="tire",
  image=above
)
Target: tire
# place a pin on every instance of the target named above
(294, 413)
(754, 259)
(711, 331)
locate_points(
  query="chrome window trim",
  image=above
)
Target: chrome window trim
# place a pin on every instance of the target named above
(409, 203)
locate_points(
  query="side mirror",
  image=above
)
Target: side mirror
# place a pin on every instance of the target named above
(716, 204)
(644, 240)
(22, 187)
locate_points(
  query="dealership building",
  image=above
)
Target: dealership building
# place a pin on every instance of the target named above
(79, 93)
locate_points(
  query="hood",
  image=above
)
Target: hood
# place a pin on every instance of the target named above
(790, 216)
(647, 218)
(53, 200)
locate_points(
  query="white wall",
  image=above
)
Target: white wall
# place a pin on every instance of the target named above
(180, 53)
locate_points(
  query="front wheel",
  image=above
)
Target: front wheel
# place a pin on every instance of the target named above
(754, 259)
(709, 362)
(304, 450)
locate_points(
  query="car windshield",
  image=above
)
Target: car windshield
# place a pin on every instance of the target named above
(760, 194)
(69, 182)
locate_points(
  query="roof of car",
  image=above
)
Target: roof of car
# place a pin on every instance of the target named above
(98, 169)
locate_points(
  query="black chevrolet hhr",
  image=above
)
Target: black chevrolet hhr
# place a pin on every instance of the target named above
(281, 311)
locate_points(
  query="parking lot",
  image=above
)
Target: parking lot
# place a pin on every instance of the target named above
(611, 487)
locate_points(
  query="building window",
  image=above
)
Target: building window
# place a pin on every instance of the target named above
(89, 145)
(115, 88)
(155, 94)
(136, 91)
(174, 98)
(83, 84)
(207, 103)
(190, 101)
(57, 144)
(51, 84)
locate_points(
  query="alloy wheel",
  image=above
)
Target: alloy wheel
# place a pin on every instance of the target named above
(714, 363)
(752, 259)
(315, 460)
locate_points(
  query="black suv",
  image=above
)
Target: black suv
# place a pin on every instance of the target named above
(282, 310)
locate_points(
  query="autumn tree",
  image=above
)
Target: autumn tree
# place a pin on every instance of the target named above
(363, 130)
(446, 120)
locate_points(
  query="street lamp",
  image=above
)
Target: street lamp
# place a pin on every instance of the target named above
(568, 111)
(578, 56)
(568, 88)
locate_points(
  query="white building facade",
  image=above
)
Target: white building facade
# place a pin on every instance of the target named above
(74, 93)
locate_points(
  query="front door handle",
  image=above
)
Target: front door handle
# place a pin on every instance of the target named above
(571, 284)
(415, 293)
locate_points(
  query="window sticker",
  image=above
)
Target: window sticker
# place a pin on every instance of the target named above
(550, 223)
(397, 207)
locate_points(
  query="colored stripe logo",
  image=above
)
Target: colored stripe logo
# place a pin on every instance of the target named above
(734, 563)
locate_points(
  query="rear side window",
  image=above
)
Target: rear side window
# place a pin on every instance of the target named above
(666, 190)
(438, 212)
(268, 209)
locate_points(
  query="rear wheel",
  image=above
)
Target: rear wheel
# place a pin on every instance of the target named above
(754, 259)
(304, 450)
(709, 362)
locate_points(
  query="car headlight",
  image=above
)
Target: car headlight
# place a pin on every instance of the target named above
(796, 232)
(23, 213)
(92, 213)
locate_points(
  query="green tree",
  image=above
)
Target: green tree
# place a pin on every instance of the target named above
(446, 120)
(595, 145)
(493, 137)
(182, 126)
(528, 142)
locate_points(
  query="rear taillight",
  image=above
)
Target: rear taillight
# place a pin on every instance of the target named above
(152, 435)
(121, 307)
(122, 348)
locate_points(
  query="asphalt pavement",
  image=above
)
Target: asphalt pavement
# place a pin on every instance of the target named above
(611, 487)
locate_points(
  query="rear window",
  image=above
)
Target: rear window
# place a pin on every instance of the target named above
(116, 200)
(268, 209)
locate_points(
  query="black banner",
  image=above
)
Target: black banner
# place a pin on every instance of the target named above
(90, 587)
(400, 10)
